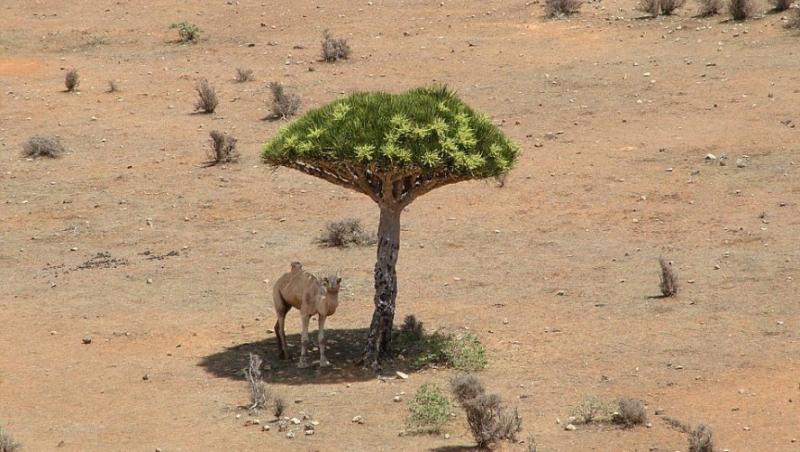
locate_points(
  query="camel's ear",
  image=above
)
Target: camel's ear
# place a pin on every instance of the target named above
(338, 280)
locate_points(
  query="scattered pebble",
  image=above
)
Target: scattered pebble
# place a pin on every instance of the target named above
(87, 339)
(358, 420)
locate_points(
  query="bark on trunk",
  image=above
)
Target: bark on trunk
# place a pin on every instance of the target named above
(380, 331)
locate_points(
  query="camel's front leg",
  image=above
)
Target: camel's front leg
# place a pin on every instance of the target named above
(323, 362)
(304, 340)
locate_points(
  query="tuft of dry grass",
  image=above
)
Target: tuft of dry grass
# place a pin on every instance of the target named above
(669, 282)
(259, 391)
(334, 49)
(488, 419)
(630, 413)
(740, 9)
(244, 75)
(7, 443)
(278, 407)
(72, 80)
(591, 409)
(709, 8)
(43, 146)
(794, 20)
(669, 6)
(345, 233)
(701, 439)
(207, 100)
(283, 105)
(223, 148)
(561, 8)
(781, 5)
(652, 7)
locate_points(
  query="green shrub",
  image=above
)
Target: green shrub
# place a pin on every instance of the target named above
(591, 409)
(7, 443)
(188, 31)
(430, 409)
(463, 352)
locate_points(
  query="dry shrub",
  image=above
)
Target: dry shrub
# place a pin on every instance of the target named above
(709, 8)
(794, 20)
(412, 329)
(652, 7)
(669, 282)
(740, 9)
(334, 49)
(244, 75)
(345, 233)
(283, 105)
(259, 391)
(489, 420)
(780, 5)
(530, 444)
(7, 443)
(701, 439)
(677, 424)
(560, 8)
(630, 413)
(591, 409)
(223, 148)
(43, 146)
(72, 80)
(206, 97)
(278, 407)
(669, 6)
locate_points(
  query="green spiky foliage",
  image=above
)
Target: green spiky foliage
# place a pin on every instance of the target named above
(428, 133)
(392, 148)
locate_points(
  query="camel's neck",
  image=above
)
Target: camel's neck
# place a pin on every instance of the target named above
(331, 302)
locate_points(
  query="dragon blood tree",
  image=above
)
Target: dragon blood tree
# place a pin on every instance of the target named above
(392, 148)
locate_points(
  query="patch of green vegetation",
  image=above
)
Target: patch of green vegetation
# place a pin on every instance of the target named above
(430, 409)
(463, 352)
(188, 31)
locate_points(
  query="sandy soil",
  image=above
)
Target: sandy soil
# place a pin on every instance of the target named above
(615, 116)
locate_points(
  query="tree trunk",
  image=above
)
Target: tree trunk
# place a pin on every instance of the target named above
(380, 331)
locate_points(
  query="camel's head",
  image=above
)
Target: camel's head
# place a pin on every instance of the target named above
(331, 284)
(296, 266)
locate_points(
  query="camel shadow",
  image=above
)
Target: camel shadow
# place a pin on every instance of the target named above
(343, 349)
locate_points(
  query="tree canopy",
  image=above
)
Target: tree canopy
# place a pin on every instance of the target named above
(412, 142)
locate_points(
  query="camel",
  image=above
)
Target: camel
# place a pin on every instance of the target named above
(304, 291)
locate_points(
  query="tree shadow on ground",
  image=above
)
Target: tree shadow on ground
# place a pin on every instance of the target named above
(344, 348)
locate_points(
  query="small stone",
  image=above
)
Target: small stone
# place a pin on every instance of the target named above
(561, 293)
(570, 427)
(446, 436)
(146, 377)
(290, 434)
(402, 375)
(87, 339)
(746, 428)
(294, 421)
(649, 425)
(660, 411)
(742, 162)
(265, 428)
(358, 420)
(149, 281)
(397, 398)
(309, 432)
(710, 157)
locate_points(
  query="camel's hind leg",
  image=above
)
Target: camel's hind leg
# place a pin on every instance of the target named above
(281, 309)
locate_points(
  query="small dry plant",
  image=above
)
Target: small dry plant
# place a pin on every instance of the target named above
(345, 233)
(207, 100)
(489, 420)
(781, 5)
(561, 8)
(701, 439)
(259, 391)
(334, 49)
(630, 413)
(709, 8)
(278, 407)
(283, 105)
(740, 9)
(669, 6)
(652, 7)
(7, 443)
(794, 20)
(244, 75)
(223, 148)
(187, 31)
(669, 282)
(112, 87)
(43, 146)
(72, 80)
(591, 409)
